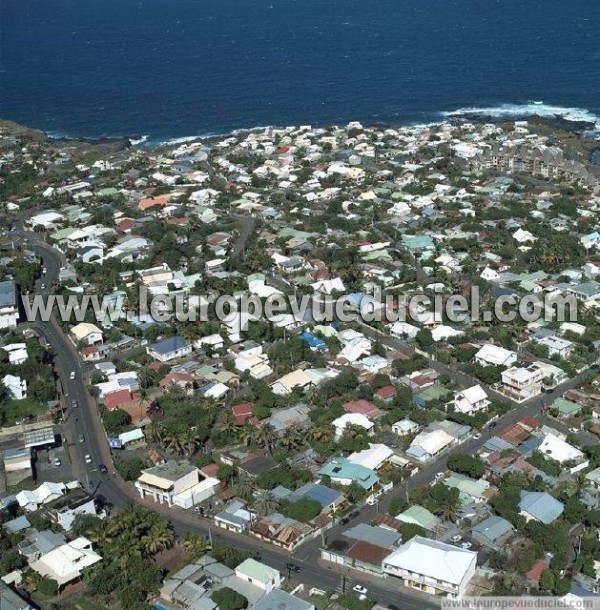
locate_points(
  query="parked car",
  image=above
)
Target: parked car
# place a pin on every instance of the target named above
(466, 545)
(456, 538)
(56, 462)
(72, 375)
(102, 468)
(74, 404)
(477, 436)
(81, 438)
(88, 458)
(360, 589)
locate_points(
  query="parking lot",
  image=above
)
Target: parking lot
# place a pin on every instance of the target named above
(49, 470)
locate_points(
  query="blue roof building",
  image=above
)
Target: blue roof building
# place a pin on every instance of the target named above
(169, 349)
(540, 506)
(322, 494)
(316, 344)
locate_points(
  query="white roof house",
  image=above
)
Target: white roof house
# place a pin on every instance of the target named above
(559, 450)
(87, 333)
(430, 443)
(352, 419)
(30, 500)
(495, 356)
(16, 386)
(373, 458)
(471, 400)
(432, 566)
(66, 562)
(489, 275)
(284, 385)
(404, 329)
(404, 427)
(443, 332)
(523, 236)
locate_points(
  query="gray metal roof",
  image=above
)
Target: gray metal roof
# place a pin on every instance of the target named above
(377, 536)
(280, 600)
(8, 294)
(493, 528)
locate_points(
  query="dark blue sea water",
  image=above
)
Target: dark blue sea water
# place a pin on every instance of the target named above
(173, 68)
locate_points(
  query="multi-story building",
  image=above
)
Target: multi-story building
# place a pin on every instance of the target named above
(175, 483)
(432, 566)
(522, 383)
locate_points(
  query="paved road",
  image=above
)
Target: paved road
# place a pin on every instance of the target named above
(86, 420)
(246, 224)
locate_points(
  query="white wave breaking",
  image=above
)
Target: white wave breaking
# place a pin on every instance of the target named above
(138, 141)
(530, 109)
(204, 136)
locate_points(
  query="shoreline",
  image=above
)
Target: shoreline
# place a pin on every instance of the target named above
(556, 125)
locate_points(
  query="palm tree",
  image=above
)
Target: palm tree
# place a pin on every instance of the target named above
(292, 440)
(266, 436)
(265, 504)
(450, 511)
(158, 538)
(512, 581)
(248, 434)
(156, 431)
(243, 485)
(194, 546)
(192, 441)
(226, 424)
(321, 434)
(176, 440)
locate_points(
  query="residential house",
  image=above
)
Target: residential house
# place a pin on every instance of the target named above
(278, 599)
(559, 450)
(257, 365)
(585, 292)
(259, 574)
(63, 510)
(364, 407)
(11, 600)
(372, 458)
(540, 506)
(433, 567)
(175, 483)
(494, 355)
(472, 400)
(522, 383)
(9, 308)
(352, 419)
(405, 427)
(557, 346)
(66, 563)
(16, 386)
(428, 444)
(418, 515)
(235, 517)
(492, 531)
(296, 379)
(169, 349)
(343, 472)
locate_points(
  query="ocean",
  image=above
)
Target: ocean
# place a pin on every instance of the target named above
(170, 69)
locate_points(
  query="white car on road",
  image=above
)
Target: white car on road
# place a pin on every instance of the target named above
(360, 589)
(88, 459)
